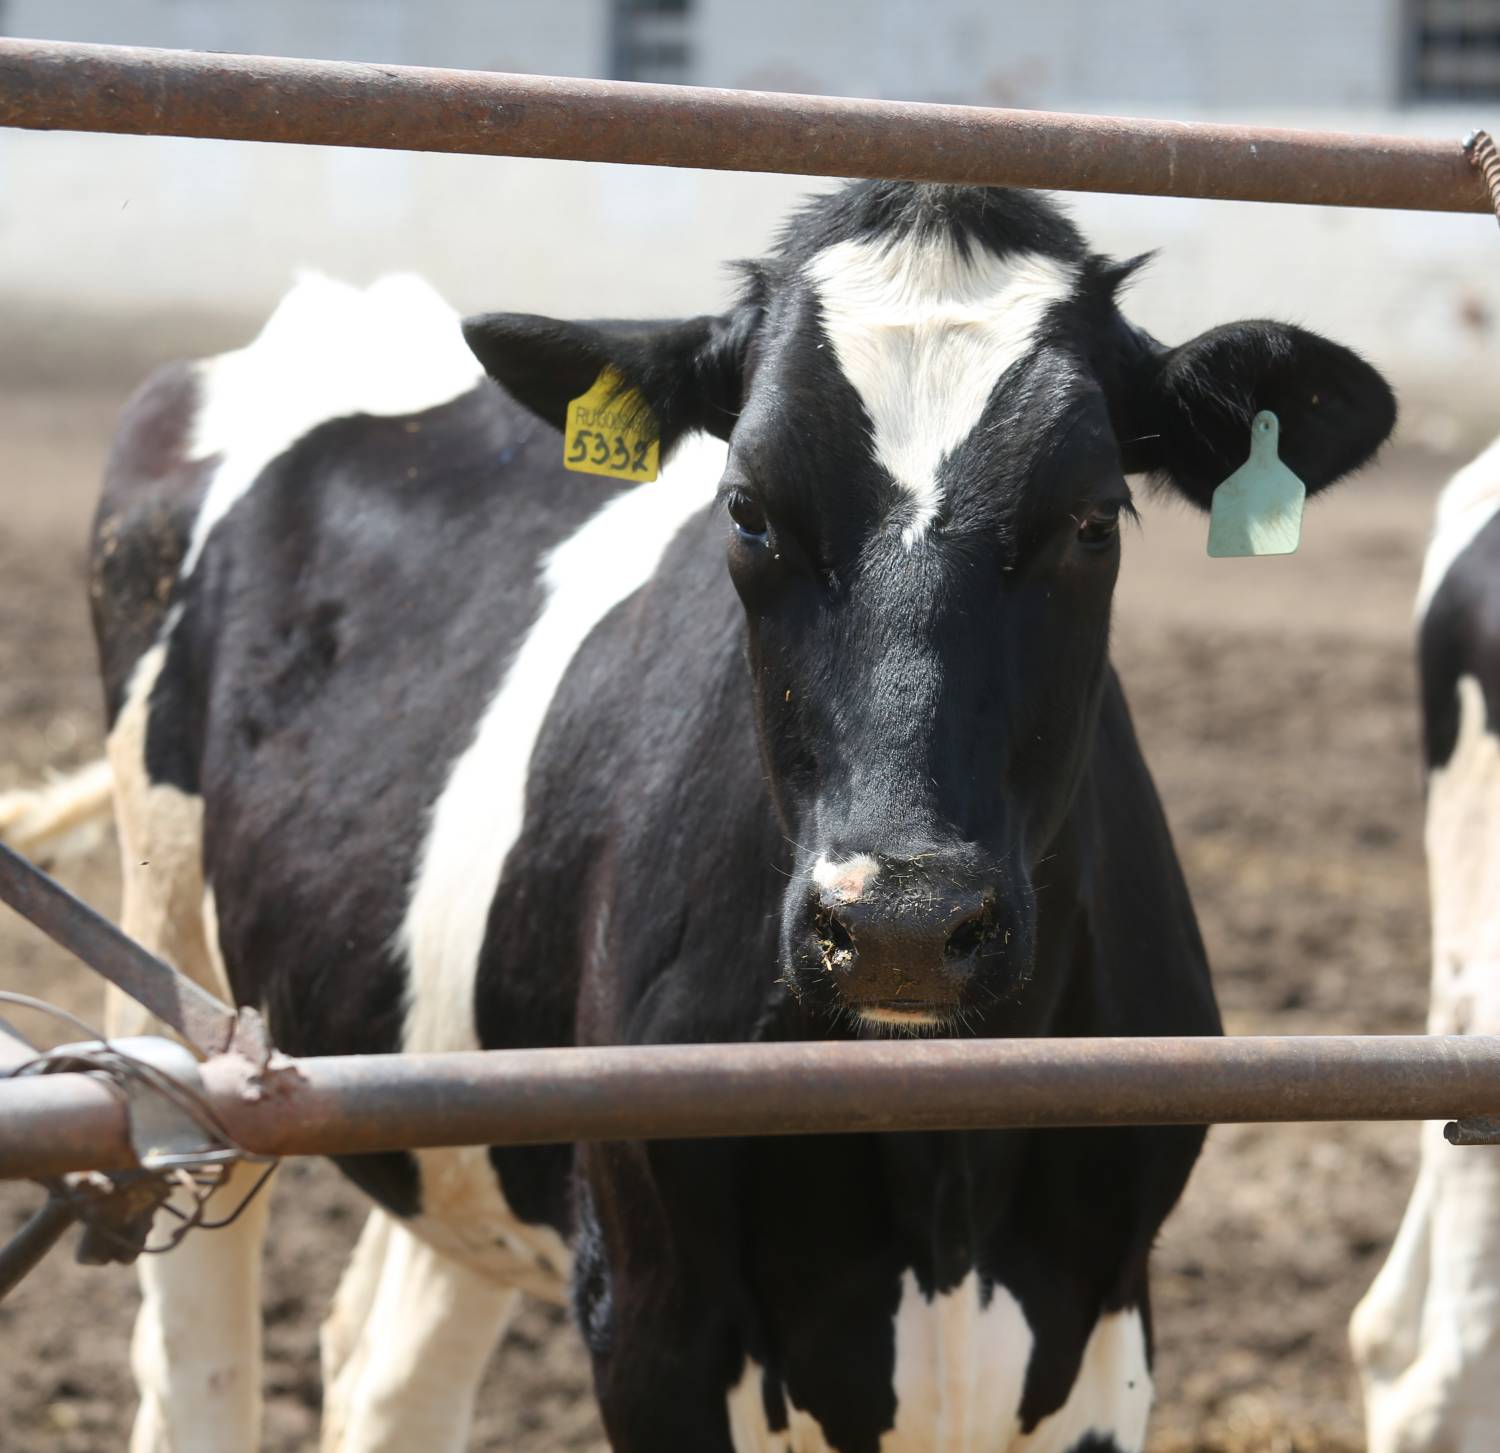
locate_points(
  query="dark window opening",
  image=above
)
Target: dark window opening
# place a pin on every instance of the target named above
(652, 41)
(1454, 50)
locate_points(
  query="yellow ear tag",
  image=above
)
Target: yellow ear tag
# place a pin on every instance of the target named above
(1258, 509)
(611, 431)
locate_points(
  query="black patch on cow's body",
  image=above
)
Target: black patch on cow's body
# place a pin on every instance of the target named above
(151, 495)
(591, 1299)
(1460, 636)
(356, 610)
(175, 722)
(389, 1178)
(344, 627)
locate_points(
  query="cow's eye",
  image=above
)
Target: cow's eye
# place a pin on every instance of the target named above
(1099, 525)
(748, 516)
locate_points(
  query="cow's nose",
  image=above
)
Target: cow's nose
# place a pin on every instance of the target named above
(907, 950)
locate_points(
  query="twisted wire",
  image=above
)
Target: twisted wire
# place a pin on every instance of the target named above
(1484, 155)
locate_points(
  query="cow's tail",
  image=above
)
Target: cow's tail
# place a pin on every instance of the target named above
(61, 818)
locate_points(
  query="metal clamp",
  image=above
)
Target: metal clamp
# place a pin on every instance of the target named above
(164, 1132)
(1473, 1130)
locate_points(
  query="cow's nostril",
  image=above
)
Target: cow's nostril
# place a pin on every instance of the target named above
(971, 937)
(835, 942)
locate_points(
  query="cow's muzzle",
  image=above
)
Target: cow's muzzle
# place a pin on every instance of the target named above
(905, 945)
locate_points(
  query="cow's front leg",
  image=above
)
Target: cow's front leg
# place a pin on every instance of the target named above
(195, 1352)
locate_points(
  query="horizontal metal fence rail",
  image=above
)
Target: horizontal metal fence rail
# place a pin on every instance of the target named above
(50, 1124)
(50, 85)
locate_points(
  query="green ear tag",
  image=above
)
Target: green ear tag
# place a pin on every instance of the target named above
(1258, 509)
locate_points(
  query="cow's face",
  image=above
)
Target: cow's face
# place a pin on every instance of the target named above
(932, 404)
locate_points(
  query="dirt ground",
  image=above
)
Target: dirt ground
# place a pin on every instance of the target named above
(1276, 702)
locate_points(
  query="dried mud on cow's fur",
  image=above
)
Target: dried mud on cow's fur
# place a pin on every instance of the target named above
(1282, 732)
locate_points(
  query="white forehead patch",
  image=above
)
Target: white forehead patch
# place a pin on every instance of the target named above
(924, 332)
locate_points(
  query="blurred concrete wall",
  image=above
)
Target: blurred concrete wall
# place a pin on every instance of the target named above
(118, 250)
(548, 37)
(1086, 55)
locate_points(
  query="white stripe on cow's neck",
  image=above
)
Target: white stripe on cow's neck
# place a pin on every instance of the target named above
(478, 816)
(924, 330)
(329, 351)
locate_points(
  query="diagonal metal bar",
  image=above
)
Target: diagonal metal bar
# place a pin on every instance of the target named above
(25, 1250)
(202, 1020)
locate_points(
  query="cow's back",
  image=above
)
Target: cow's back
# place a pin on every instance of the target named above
(315, 561)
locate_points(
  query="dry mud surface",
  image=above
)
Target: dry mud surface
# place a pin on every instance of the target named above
(1276, 703)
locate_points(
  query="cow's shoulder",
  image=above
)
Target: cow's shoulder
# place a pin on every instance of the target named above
(198, 436)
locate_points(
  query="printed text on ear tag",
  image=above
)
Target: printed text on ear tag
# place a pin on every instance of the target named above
(1258, 509)
(611, 431)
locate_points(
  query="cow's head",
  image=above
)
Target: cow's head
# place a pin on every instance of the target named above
(932, 403)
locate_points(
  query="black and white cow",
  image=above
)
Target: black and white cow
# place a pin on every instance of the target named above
(1427, 1334)
(423, 742)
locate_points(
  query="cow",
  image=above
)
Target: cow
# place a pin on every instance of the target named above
(422, 741)
(1426, 1336)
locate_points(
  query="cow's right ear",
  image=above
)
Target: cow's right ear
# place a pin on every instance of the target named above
(690, 371)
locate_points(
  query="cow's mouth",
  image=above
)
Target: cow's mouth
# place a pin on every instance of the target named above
(906, 1016)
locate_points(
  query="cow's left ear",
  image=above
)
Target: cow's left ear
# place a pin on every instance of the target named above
(689, 370)
(1188, 420)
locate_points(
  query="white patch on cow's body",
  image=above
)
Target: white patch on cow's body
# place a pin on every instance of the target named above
(199, 1377)
(406, 1345)
(1110, 1397)
(961, 1360)
(924, 330)
(1467, 504)
(1463, 864)
(329, 351)
(477, 820)
(846, 880)
(960, 1367)
(1426, 1336)
(212, 944)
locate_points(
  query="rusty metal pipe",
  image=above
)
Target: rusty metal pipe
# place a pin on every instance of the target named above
(54, 85)
(387, 1102)
(52, 1124)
